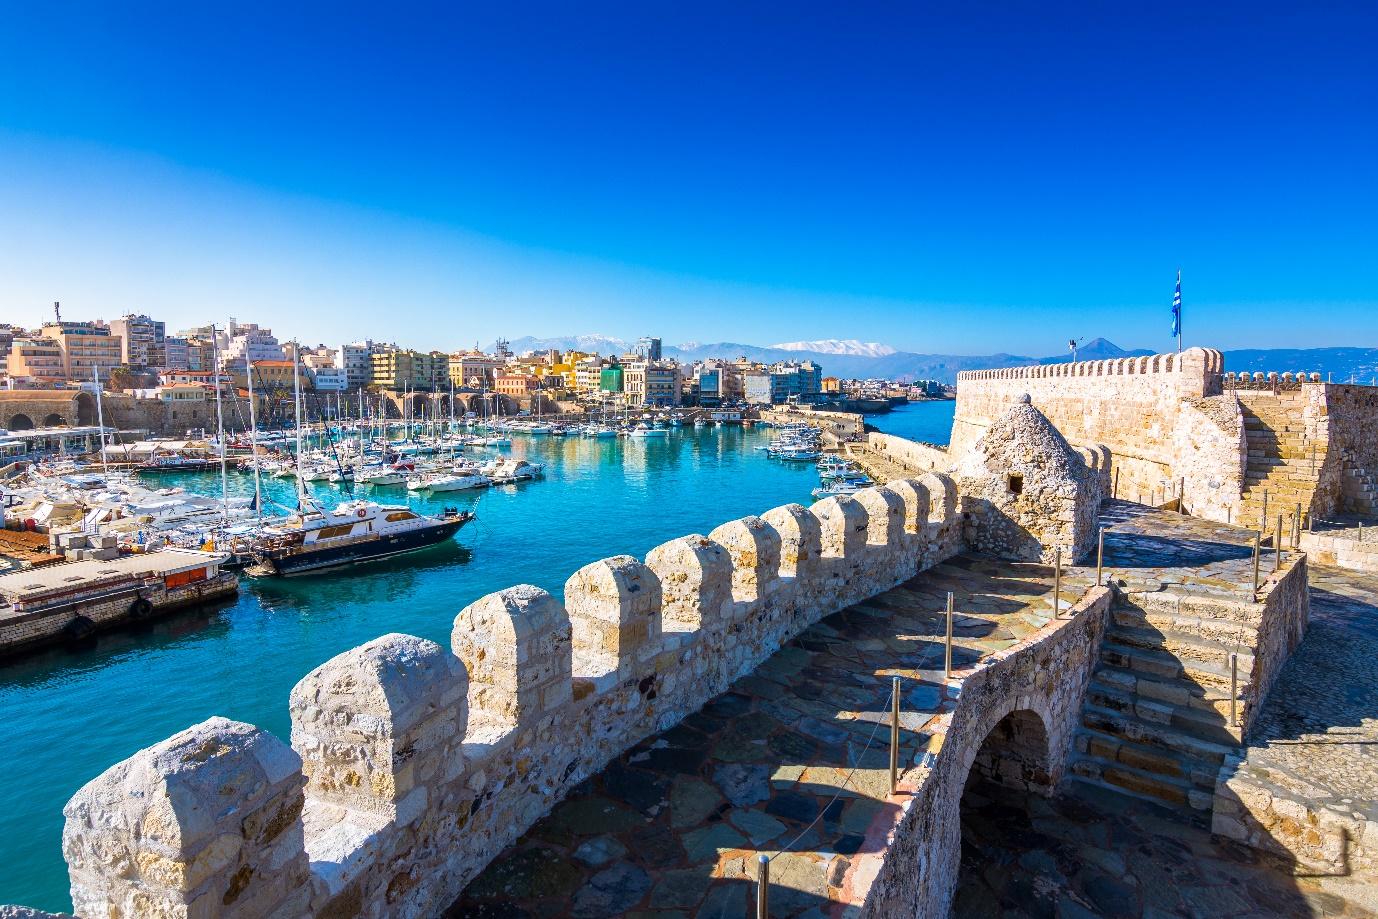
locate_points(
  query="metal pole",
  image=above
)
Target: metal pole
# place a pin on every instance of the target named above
(894, 733)
(1182, 495)
(947, 665)
(1277, 546)
(1263, 517)
(1258, 541)
(1115, 489)
(1100, 555)
(1057, 583)
(1234, 690)
(762, 887)
(1296, 527)
(1227, 514)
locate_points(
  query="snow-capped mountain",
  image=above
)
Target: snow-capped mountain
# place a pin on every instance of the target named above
(839, 346)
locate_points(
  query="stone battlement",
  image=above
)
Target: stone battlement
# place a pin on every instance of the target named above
(412, 765)
(1205, 362)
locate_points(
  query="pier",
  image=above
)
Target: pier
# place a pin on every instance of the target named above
(69, 602)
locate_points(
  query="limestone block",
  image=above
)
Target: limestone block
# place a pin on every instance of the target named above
(375, 723)
(754, 546)
(614, 610)
(695, 581)
(800, 540)
(516, 646)
(212, 814)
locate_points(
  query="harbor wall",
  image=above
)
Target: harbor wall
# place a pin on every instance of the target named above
(412, 765)
(23, 631)
(916, 457)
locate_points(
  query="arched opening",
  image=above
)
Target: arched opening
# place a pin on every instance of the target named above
(54, 420)
(1013, 762)
(20, 423)
(86, 409)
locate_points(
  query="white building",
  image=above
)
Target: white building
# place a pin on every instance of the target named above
(330, 379)
(142, 340)
(356, 360)
(251, 344)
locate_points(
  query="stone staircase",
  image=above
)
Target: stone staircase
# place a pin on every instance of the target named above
(1361, 491)
(1281, 464)
(1155, 724)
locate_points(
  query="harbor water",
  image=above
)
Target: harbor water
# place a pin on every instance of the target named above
(71, 713)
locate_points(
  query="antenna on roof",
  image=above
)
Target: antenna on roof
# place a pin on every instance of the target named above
(57, 312)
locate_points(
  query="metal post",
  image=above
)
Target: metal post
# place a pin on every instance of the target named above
(1115, 489)
(1182, 495)
(762, 887)
(1234, 690)
(1100, 555)
(1258, 541)
(1310, 522)
(1057, 583)
(947, 665)
(1277, 546)
(1263, 517)
(1296, 527)
(1227, 514)
(894, 733)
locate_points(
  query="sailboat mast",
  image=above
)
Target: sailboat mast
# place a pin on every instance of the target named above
(220, 428)
(296, 393)
(100, 419)
(253, 438)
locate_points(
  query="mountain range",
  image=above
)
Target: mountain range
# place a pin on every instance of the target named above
(849, 358)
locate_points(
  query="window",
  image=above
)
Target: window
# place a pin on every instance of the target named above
(1016, 483)
(400, 515)
(335, 531)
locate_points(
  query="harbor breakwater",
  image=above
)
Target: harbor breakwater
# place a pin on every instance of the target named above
(411, 765)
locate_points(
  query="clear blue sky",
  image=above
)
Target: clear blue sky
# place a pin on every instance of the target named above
(939, 177)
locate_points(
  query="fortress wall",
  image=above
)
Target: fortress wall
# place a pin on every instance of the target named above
(1351, 463)
(916, 457)
(910, 867)
(1133, 406)
(412, 765)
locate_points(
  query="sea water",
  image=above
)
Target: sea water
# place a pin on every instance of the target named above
(70, 714)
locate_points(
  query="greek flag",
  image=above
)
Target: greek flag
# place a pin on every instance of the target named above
(1177, 307)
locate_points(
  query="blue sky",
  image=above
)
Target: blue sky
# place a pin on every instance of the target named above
(940, 177)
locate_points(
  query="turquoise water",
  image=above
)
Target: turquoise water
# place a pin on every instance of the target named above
(71, 714)
(930, 422)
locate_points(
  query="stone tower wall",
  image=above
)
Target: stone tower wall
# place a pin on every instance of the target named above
(412, 765)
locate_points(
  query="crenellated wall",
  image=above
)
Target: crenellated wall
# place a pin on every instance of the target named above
(412, 765)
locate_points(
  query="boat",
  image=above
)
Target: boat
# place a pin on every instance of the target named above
(460, 482)
(356, 531)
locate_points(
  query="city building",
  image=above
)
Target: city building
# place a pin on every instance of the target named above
(356, 359)
(142, 340)
(648, 349)
(588, 373)
(474, 369)
(782, 381)
(647, 383)
(515, 384)
(85, 347)
(330, 378)
(8, 333)
(425, 371)
(250, 343)
(176, 353)
(708, 381)
(36, 358)
(611, 379)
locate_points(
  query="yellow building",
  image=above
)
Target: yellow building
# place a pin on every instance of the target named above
(37, 358)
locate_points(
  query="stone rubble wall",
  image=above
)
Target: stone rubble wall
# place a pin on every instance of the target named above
(1163, 418)
(1351, 414)
(412, 765)
(1042, 681)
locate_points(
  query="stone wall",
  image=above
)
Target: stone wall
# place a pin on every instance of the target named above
(1020, 699)
(412, 765)
(1343, 549)
(1349, 478)
(1162, 417)
(916, 457)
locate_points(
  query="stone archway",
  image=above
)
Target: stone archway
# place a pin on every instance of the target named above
(86, 409)
(54, 420)
(20, 422)
(1015, 754)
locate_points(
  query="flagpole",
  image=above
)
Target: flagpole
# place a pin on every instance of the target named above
(1179, 310)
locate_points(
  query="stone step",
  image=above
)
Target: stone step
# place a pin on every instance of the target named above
(1143, 786)
(1227, 633)
(1192, 651)
(1160, 664)
(1189, 771)
(1211, 726)
(1154, 735)
(1206, 697)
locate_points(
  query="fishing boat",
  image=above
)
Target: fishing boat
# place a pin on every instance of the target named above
(354, 532)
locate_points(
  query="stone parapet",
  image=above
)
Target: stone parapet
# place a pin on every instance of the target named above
(412, 765)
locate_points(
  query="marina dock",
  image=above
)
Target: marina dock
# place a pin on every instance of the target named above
(71, 601)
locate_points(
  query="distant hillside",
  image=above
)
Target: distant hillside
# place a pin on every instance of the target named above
(1340, 363)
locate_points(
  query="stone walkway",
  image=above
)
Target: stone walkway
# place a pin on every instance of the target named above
(1093, 853)
(673, 827)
